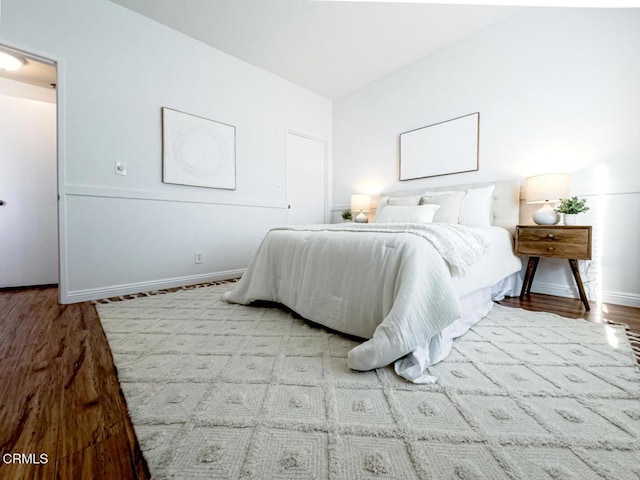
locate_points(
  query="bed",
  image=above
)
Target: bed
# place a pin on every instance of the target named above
(422, 274)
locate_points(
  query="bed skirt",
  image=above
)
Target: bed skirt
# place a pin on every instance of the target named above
(475, 306)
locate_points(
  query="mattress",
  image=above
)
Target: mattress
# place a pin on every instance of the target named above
(498, 262)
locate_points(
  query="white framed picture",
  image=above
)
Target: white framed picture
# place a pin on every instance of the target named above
(197, 151)
(443, 148)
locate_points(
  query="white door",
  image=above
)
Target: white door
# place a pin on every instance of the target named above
(28, 192)
(306, 179)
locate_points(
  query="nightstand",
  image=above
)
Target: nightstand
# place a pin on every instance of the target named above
(555, 241)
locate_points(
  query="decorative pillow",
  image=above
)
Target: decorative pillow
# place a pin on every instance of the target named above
(400, 214)
(476, 207)
(396, 201)
(450, 205)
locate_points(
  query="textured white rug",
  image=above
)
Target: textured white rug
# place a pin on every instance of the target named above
(227, 391)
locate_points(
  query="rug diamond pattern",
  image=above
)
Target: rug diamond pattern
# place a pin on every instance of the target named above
(225, 391)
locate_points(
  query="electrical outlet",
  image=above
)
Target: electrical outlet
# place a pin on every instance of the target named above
(198, 257)
(121, 168)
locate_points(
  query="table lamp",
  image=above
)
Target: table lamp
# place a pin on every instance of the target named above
(546, 189)
(360, 203)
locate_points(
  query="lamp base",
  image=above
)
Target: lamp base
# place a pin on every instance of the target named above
(361, 218)
(546, 215)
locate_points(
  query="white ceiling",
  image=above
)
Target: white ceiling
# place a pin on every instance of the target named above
(34, 71)
(330, 48)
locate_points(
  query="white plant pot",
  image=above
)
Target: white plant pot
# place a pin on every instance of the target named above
(570, 218)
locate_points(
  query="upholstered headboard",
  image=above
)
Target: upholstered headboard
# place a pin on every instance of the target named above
(505, 208)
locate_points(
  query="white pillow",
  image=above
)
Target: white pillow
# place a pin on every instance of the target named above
(396, 201)
(476, 207)
(450, 205)
(401, 214)
(404, 201)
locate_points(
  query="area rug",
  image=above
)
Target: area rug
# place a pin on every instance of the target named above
(224, 391)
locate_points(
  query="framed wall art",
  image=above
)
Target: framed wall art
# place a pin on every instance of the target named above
(443, 148)
(197, 151)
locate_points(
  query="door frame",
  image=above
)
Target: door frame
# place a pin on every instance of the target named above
(326, 169)
(58, 63)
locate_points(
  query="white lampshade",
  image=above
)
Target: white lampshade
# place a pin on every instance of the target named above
(360, 203)
(10, 63)
(550, 187)
(546, 189)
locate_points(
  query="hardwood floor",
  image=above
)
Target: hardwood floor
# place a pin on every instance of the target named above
(59, 394)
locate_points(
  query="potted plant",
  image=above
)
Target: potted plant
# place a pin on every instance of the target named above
(570, 208)
(346, 215)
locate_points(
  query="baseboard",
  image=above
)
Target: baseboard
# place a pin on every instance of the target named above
(129, 288)
(616, 298)
(621, 298)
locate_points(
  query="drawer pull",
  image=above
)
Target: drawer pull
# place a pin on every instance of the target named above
(550, 248)
(550, 235)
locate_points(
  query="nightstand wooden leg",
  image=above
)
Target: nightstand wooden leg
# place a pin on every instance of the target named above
(528, 278)
(576, 274)
(533, 273)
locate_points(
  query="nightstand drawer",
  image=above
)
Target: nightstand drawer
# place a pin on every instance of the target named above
(559, 242)
(560, 250)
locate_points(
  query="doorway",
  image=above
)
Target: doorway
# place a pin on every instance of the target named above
(306, 179)
(29, 253)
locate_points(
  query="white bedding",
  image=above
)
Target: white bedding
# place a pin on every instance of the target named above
(475, 306)
(497, 262)
(371, 281)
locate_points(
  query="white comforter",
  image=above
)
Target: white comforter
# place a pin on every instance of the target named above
(388, 283)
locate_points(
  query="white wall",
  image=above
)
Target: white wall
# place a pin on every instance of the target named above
(557, 90)
(28, 185)
(116, 70)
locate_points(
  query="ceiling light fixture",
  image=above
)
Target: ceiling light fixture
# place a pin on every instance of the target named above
(10, 62)
(515, 3)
